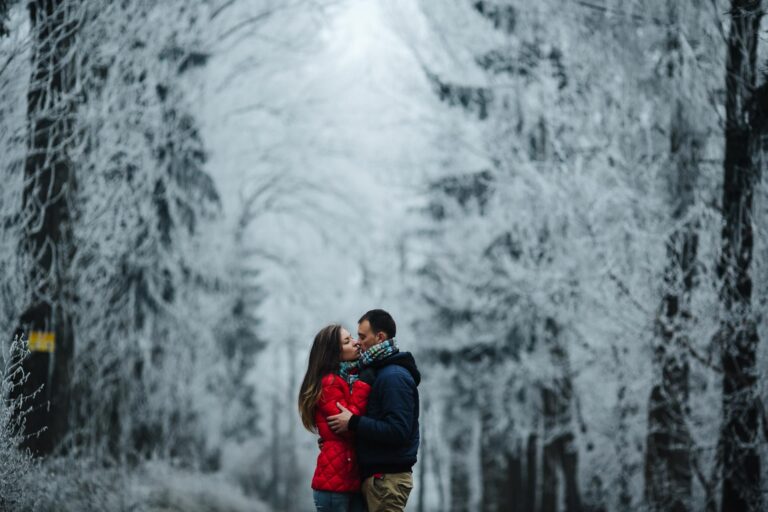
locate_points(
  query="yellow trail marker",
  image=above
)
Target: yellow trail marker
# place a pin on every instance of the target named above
(42, 341)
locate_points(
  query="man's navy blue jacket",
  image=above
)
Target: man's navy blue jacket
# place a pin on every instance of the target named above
(388, 434)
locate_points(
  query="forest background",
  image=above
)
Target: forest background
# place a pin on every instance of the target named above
(562, 203)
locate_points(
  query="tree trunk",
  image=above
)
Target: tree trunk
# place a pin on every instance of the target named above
(559, 450)
(559, 453)
(441, 494)
(550, 454)
(460, 477)
(493, 446)
(275, 492)
(507, 473)
(460, 436)
(4, 6)
(422, 463)
(738, 335)
(292, 476)
(46, 247)
(515, 485)
(529, 503)
(668, 474)
(625, 407)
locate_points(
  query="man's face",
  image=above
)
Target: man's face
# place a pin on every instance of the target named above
(366, 336)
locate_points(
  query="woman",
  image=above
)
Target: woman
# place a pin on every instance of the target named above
(332, 377)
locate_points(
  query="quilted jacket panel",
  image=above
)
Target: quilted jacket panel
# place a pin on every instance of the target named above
(336, 468)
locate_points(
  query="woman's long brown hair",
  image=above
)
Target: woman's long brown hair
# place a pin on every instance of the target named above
(324, 358)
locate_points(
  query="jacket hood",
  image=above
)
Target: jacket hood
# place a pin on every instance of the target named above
(404, 359)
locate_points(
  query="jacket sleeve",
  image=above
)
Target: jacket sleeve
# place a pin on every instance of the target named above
(398, 400)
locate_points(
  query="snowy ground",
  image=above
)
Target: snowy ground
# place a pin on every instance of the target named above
(68, 485)
(163, 489)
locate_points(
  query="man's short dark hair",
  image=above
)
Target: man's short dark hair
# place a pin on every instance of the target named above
(380, 321)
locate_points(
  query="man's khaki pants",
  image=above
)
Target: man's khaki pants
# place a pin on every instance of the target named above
(388, 493)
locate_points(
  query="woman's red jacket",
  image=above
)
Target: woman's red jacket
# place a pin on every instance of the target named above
(337, 463)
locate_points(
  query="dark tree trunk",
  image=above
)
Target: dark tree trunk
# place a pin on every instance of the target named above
(460, 439)
(460, 476)
(424, 445)
(570, 463)
(559, 449)
(560, 457)
(509, 481)
(292, 477)
(530, 503)
(275, 492)
(493, 451)
(433, 457)
(738, 335)
(550, 456)
(4, 5)
(46, 247)
(515, 485)
(626, 409)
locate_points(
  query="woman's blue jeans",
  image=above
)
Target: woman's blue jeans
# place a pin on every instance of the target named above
(326, 501)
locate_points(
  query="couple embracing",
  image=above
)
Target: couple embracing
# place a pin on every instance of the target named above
(360, 396)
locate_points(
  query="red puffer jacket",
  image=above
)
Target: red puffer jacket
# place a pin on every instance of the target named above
(336, 469)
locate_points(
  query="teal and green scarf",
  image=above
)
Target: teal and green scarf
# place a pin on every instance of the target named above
(378, 352)
(348, 370)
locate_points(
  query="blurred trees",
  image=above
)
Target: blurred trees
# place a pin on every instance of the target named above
(582, 270)
(521, 234)
(154, 333)
(145, 207)
(577, 183)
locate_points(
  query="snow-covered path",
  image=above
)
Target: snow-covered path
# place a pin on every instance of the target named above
(161, 489)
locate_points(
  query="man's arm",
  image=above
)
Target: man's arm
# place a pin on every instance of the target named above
(335, 396)
(358, 400)
(358, 397)
(398, 403)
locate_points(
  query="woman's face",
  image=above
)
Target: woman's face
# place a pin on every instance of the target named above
(350, 348)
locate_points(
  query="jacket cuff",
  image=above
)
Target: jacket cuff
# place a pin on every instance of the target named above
(353, 421)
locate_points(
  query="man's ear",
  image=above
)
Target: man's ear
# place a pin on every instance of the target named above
(381, 336)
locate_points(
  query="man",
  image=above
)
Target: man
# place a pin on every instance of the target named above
(388, 435)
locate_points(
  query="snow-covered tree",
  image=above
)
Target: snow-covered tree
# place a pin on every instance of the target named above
(547, 241)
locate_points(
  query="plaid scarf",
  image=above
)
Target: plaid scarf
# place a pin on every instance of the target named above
(348, 370)
(378, 352)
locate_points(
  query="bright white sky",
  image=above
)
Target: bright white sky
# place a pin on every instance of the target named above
(345, 142)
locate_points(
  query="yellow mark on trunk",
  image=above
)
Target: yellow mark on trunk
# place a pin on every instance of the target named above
(42, 341)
